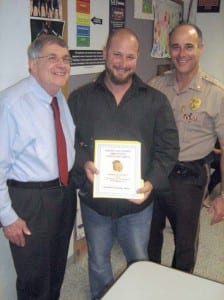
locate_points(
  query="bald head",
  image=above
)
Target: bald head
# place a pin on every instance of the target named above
(122, 33)
(190, 28)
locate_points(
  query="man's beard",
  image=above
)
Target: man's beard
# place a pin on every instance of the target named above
(116, 80)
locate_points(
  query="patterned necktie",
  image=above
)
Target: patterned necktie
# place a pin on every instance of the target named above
(61, 144)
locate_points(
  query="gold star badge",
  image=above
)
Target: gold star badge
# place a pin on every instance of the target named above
(195, 103)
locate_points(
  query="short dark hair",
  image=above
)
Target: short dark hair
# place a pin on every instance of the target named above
(37, 45)
(197, 29)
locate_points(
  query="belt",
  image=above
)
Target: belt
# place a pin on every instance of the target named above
(190, 168)
(207, 159)
(35, 184)
(197, 161)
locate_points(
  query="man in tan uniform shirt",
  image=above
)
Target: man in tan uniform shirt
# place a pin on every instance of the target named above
(197, 100)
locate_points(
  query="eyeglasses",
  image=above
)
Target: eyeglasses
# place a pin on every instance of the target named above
(52, 59)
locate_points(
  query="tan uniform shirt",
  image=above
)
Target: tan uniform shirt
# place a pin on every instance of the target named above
(198, 111)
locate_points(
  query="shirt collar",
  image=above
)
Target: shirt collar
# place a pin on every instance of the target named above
(40, 92)
(195, 84)
(137, 83)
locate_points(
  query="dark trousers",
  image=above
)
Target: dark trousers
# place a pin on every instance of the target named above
(40, 265)
(216, 175)
(181, 205)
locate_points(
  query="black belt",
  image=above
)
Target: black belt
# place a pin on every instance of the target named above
(35, 184)
(197, 161)
(190, 168)
(205, 160)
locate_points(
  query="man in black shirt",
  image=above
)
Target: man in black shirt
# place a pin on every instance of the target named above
(119, 106)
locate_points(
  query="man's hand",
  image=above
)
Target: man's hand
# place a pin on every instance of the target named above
(217, 209)
(15, 232)
(90, 170)
(145, 190)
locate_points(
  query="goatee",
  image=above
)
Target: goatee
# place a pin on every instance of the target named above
(116, 80)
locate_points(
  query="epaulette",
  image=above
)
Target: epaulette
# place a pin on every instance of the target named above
(212, 80)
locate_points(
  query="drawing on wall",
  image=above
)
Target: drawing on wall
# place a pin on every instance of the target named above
(46, 18)
(89, 23)
(143, 9)
(167, 14)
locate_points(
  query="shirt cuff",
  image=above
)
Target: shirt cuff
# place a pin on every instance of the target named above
(8, 216)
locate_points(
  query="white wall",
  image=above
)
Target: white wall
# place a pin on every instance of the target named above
(14, 38)
(212, 25)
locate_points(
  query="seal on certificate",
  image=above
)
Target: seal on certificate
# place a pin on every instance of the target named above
(117, 165)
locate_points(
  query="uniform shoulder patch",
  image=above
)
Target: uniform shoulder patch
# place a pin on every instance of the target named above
(212, 80)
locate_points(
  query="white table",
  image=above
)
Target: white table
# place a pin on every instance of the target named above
(150, 281)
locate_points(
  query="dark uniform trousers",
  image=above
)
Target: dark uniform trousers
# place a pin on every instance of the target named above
(49, 213)
(181, 205)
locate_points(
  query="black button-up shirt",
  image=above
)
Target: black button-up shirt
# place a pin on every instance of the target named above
(144, 115)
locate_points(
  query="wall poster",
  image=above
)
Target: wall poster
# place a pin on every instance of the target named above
(89, 23)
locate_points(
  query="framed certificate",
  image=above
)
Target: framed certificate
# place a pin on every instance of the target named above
(119, 165)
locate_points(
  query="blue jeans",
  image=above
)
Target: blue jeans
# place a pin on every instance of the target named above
(132, 233)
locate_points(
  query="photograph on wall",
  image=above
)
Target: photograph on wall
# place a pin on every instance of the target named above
(206, 6)
(42, 27)
(143, 9)
(51, 9)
